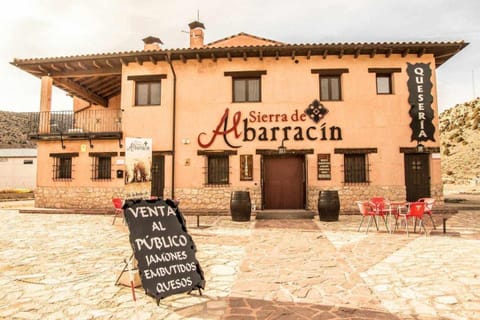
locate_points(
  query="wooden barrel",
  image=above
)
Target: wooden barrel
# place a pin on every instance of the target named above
(240, 206)
(328, 205)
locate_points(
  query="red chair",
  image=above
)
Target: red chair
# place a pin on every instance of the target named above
(416, 211)
(367, 210)
(118, 205)
(381, 208)
(428, 208)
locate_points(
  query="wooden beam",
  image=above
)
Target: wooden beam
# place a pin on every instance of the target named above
(68, 67)
(229, 56)
(124, 62)
(82, 92)
(199, 59)
(357, 53)
(87, 73)
(309, 54)
(138, 60)
(373, 53)
(277, 54)
(182, 57)
(421, 52)
(340, 54)
(81, 65)
(405, 52)
(293, 54)
(43, 69)
(108, 63)
(152, 59)
(244, 53)
(54, 67)
(260, 54)
(96, 65)
(325, 52)
(214, 57)
(388, 53)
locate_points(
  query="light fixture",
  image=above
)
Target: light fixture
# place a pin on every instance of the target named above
(282, 149)
(186, 141)
(420, 147)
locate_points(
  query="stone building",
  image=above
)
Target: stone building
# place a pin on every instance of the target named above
(282, 121)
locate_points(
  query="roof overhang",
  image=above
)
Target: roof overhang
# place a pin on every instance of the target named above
(96, 78)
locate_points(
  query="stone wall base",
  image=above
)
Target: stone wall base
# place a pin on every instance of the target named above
(207, 198)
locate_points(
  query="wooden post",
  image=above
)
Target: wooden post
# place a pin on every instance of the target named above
(45, 104)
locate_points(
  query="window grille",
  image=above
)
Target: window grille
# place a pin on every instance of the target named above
(101, 168)
(355, 168)
(62, 168)
(218, 170)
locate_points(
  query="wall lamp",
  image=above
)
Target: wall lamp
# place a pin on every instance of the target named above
(282, 149)
(420, 147)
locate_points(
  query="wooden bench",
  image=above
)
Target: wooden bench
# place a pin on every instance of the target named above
(205, 213)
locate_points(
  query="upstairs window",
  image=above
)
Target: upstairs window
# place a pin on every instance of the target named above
(384, 79)
(246, 85)
(330, 83)
(148, 89)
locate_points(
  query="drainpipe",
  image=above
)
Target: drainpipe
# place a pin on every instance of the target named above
(169, 60)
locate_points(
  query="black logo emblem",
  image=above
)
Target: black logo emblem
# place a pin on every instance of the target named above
(316, 111)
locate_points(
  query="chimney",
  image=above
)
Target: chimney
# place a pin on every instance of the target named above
(196, 34)
(152, 43)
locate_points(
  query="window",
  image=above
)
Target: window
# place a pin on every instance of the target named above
(355, 168)
(384, 83)
(102, 168)
(62, 166)
(148, 89)
(330, 83)
(102, 165)
(217, 164)
(384, 79)
(246, 85)
(246, 90)
(330, 89)
(218, 170)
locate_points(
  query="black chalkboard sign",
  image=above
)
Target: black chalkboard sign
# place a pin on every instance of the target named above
(164, 250)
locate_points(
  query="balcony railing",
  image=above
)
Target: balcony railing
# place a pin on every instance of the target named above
(69, 124)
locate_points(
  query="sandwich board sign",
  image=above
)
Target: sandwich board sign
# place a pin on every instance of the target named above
(165, 252)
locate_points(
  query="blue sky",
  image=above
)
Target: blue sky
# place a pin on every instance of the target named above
(53, 28)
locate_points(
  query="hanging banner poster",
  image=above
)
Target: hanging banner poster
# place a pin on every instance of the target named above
(164, 250)
(138, 160)
(420, 99)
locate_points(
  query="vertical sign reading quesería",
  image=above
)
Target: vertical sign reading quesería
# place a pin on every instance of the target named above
(420, 99)
(164, 250)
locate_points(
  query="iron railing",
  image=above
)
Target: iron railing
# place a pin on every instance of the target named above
(71, 123)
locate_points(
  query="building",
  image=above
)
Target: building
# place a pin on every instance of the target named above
(280, 120)
(18, 168)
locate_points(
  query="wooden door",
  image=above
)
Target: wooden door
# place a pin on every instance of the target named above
(158, 176)
(284, 182)
(417, 176)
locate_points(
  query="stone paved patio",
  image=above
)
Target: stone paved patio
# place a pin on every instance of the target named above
(65, 266)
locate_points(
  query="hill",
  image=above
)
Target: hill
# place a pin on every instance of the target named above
(14, 127)
(460, 144)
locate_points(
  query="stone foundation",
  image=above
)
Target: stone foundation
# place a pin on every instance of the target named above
(76, 197)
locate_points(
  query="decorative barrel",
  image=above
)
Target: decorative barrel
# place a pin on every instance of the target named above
(240, 206)
(328, 205)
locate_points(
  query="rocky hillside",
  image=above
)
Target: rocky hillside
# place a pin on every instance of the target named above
(14, 127)
(460, 144)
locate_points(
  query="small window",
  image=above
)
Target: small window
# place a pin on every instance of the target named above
(27, 161)
(62, 168)
(246, 89)
(218, 170)
(384, 83)
(102, 168)
(355, 168)
(330, 88)
(147, 93)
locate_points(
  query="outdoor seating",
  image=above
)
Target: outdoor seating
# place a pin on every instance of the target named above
(367, 210)
(428, 208)
(118, 205)
(415, 211)
(381, 208)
